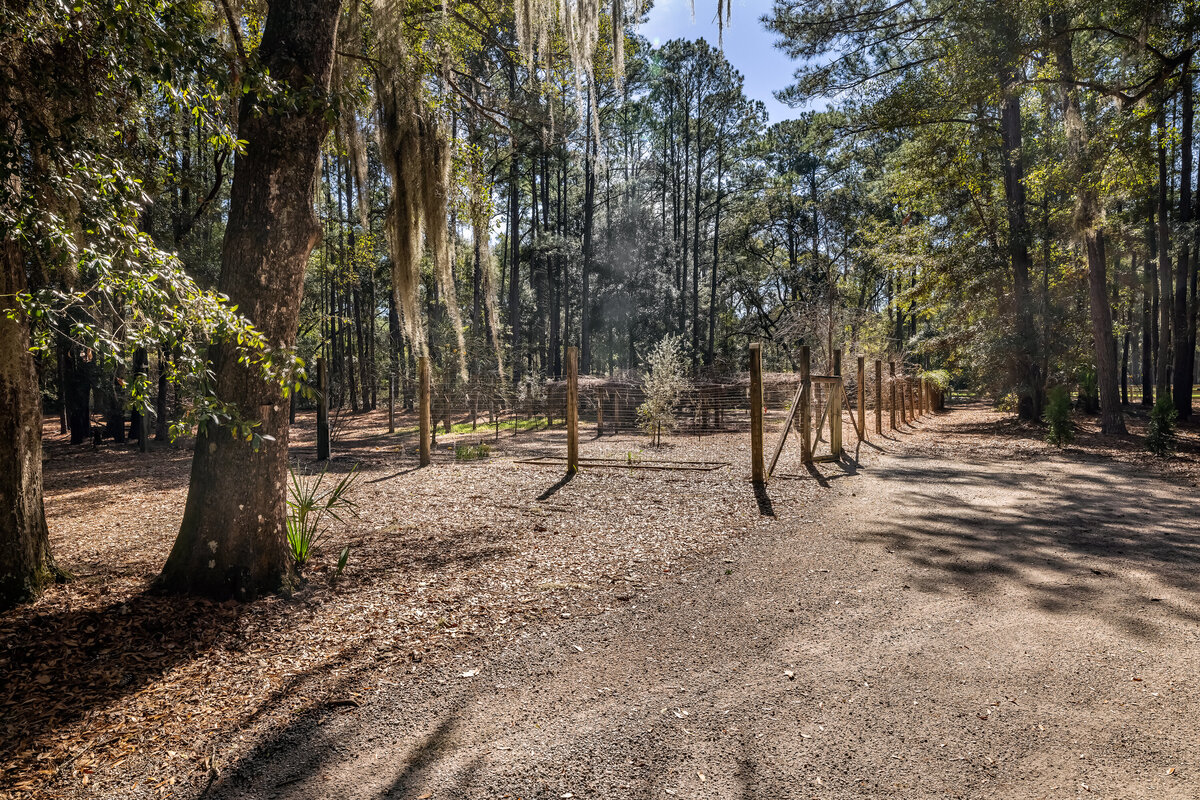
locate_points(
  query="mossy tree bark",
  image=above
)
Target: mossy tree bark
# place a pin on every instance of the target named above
(232, 541)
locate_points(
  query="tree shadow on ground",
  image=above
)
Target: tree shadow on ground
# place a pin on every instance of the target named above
(60, 666)
(88, 478)
(450, 756)
(1093, 538)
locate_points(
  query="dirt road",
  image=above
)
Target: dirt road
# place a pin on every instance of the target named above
(953, 620)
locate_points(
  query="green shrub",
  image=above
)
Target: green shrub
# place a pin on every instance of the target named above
(308, 508)
(1089, 391)
(1160, 434)
(937, 378)
(472, 452)
(1058, 416)
(938, 381)
(1007, 402)
(663, 385)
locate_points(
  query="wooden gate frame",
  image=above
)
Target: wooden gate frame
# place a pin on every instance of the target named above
(802, 403)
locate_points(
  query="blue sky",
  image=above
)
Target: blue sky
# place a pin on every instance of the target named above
(748, 45)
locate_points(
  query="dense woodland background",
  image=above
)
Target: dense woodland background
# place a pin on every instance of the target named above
(1004, 191)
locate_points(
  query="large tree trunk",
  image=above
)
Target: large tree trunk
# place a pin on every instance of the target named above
(1184, 355)
(1028, 374)
(25, 562)
(232, 541)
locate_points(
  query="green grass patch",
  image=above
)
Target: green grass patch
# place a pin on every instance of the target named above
(472, 452)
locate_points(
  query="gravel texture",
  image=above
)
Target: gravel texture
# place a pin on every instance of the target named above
(957, 615)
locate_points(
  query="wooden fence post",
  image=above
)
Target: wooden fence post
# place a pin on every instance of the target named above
(806, 439)
(391, 403)
(879, 397)
(835, 410)
(425, 409)
(892, 391)
(756, 413)
(572, 409)
(912, 399)
(903, 400)
(322, 411)
(862, 398)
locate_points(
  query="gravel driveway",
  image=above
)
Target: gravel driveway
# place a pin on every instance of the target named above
(954, 619)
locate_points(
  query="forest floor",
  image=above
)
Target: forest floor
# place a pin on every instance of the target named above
(962, 611)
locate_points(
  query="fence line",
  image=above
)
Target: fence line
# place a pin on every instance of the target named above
(717, 409)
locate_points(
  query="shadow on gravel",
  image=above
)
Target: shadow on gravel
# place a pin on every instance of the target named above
(560, 483)
(765, 507)
(1069, 542)
(412, 777)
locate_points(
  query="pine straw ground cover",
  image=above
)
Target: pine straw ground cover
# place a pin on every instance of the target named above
(112, 691)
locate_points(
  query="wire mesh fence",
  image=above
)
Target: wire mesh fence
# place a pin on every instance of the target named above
(705, 425)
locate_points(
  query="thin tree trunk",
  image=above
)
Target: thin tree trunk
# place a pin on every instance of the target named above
(1147, 331)
(141, 365)
(1184, 351)
(1085, 219)
(62, 385)
(364, 373)
(557, 282)
(232, 539)
(546, 279)
(1028, 374)
(1162, 378)
(565, 285)
(712, 275)
(161, 429)
(696, 234)
(589, 212)
(514, 260)
(78, 393)
(1125, 355)
(687, 157)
